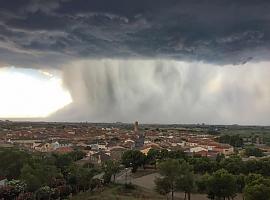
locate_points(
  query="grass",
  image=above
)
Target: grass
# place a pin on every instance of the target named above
(119, 192)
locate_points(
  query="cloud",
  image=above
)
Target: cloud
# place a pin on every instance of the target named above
(164, 91)
(227, 32)
(147, 60)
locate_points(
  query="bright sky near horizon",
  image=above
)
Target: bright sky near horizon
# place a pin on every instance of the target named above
(28, 93)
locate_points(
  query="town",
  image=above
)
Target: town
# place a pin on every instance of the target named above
(108, 142)
(103, 142)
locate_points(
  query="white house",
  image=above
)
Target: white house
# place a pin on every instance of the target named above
(197, 149)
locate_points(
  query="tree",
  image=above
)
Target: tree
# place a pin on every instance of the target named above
(202, 183)
(134, 159)
(111, 168)
(12, 190)
(94, 183)
(233, 164)
(240, 182)
(79, 178)
(234, 140)
(257, 192)
(106, 178)
(252, 166)
(77, 155)
(163, 185)
(177, 154)
(176, 175)
(63, 161)
(221, 184)
(253, 151)
(220, 157)
(203, 164)
(84, 176)
(18, 186)
(64, 191)
(265, 166)
(170, 171)
(186, 180)
(36, 174)
(33, 182)
(260, 166)
(9, 168)
(44, 193)
(257, 188)
(163, 154)
(152, 156)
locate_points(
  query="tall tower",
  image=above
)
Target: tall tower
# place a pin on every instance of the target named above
(136, 127)
(139, 142)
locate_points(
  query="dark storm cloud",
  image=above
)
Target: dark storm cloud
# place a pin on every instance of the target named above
(226, 31)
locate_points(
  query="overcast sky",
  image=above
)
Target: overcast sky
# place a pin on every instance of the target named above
(163, 61)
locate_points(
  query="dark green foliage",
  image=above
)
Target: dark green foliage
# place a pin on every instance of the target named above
(107, 178)
(257, 192)
(63, 176)
(44, 193)
(177, 175)
(134, 159)
(36, 174)
(265, 166)
(110, 168)
(177, 154)
(253, 151)
(221, 184)
(234, 140)
(186, 180)
(220, 157)
(152, 156)
(258, 166)
(249, 179)
(163, 186)
(79, 178)
(202, 165)
(164, 153)
(77, 155)
(233, 164)
(202, 183)
(257, 188)
(62, 161)
(12, 190)
(170, 171)
(12, 161)
(94, 183)
(240, 182)
(43, 175)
